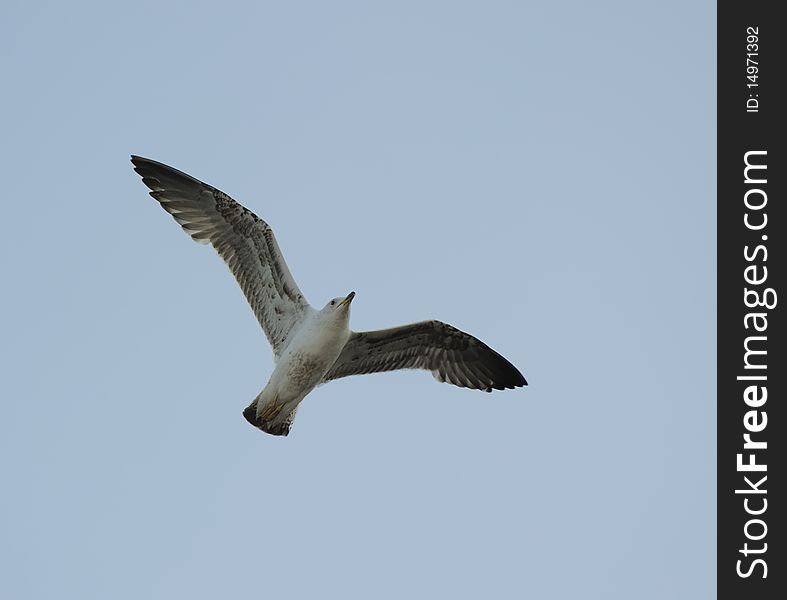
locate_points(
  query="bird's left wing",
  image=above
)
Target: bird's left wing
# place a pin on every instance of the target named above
(451, 355)
(242, 239)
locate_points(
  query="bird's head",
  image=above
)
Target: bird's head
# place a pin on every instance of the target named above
(339, 306)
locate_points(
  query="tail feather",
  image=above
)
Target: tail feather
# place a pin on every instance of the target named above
(283, 428)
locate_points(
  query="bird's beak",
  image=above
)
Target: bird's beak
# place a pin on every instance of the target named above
(348, 299)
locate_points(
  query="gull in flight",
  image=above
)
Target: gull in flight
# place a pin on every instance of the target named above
(310, 346)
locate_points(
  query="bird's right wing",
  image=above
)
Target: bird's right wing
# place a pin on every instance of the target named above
(451, 355)
(242, 239)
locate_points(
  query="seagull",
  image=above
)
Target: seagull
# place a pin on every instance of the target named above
(310, 346)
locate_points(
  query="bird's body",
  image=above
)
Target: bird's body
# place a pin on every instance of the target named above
(314, 348)
(311, 347)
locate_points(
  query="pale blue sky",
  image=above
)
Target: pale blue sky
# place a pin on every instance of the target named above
(541, 175)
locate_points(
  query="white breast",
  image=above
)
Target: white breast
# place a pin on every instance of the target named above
(312, 351)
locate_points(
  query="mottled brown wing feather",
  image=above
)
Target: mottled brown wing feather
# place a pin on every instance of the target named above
(242, 239)
(451, 355)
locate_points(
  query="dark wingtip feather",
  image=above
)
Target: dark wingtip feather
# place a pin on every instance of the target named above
(164, 175)
(505, 376)
(140, 162)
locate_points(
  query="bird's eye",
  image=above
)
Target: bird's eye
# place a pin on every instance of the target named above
(333, 302)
